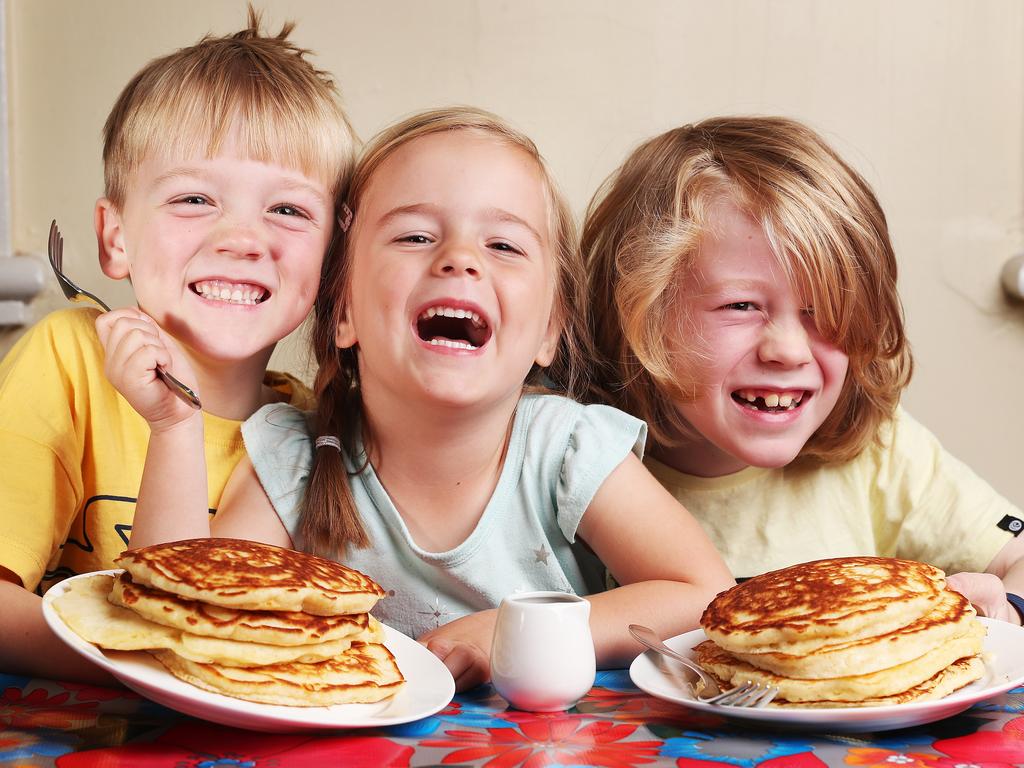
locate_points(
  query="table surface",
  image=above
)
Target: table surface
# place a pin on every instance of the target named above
(47, 723)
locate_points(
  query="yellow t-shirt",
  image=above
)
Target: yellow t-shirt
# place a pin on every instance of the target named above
(72, 451)
(904, 497)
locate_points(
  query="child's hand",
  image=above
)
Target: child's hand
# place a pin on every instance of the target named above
(464, 645)
(134, 346)
(987, 593)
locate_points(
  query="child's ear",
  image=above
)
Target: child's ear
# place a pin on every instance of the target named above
(549, 344)
(345, 331)
(110, 240)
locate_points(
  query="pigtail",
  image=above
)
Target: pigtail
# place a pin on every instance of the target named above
(330, 521)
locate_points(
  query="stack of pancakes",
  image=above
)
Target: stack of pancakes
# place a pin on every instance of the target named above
(853, 631)
(243, 619)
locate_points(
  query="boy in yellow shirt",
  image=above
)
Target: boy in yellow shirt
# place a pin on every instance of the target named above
(223, 163)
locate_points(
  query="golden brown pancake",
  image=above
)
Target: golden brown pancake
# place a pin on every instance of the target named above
(252, 576)
(85, 608)
(954, 677)
(952, 616)
(272, 627)
(365, 673)
(798, 609)
(852, 689)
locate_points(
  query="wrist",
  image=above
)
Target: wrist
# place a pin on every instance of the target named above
(189, 425)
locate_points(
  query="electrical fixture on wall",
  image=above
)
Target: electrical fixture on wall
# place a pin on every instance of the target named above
(1013, 277)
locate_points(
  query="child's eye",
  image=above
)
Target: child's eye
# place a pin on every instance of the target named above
(808, 311)
(193, 200)
(741, 306)
(505, 247)
(289, 210)
(414, 239)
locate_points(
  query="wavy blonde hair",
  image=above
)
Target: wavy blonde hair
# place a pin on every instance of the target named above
(262, 87)
(330, 521)
(642, 235)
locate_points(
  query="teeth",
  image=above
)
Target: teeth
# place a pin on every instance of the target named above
(232, 293)
(771, 401)
(453, 343)
(452, 312)
(785, 400)
(751, 397)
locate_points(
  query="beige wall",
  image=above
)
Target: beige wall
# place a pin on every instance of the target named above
(925, 97)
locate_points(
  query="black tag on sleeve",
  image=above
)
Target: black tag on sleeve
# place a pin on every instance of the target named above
(1012, 524)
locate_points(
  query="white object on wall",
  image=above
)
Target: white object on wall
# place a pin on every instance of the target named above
(21, 278)
(1013, 277)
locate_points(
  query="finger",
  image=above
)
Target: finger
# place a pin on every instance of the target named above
(468, 666)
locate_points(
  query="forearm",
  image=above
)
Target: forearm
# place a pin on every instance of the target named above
(29, 647)
(173, 496)
(668, 607)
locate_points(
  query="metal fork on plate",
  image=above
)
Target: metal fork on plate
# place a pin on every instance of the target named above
(55, 250)
(749, 694)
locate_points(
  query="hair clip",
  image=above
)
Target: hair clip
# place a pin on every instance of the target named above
(345, 217)
(328, 440)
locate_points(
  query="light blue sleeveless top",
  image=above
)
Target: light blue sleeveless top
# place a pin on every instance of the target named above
(559, 454)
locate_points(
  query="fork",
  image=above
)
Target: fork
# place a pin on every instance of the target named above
(55, 250)
(749, 694)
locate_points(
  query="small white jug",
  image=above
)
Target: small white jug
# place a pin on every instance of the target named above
(542, 657)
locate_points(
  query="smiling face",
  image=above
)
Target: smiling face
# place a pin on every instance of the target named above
(769, 378)
(451, 282)
(223, 252)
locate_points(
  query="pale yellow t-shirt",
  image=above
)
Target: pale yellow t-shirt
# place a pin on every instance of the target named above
(72, 452)
(905, 497)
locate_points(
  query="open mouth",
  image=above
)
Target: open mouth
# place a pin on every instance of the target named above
(771, 402)
(444, 326)
(230, 293)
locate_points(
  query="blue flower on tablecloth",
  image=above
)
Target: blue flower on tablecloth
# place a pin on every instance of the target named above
(615, 680)
(13, 681)
(697, 745)
(36, 748)
(226, 761)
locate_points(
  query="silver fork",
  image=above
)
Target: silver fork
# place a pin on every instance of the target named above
(749, 694)
(55, 250)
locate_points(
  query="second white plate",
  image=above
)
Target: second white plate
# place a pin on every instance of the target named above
(665, 679)
(428, 689)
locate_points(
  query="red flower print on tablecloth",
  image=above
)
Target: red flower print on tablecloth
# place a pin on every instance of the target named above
(38, 709)
(98, 693)
(627, 707)
(551, 740)
(889, 758)
(985, 749)
(204, 745)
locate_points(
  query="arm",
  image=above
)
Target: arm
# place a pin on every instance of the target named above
(668, 568)
(173, 496)
(28, 647)
(246, 512)
(987, 591)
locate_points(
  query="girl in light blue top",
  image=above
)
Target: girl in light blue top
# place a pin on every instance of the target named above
(431, 464)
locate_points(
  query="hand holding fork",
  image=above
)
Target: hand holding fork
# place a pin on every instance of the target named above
(55, 250)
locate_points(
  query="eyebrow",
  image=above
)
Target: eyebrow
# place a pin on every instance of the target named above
(497, 214)
(288, 185)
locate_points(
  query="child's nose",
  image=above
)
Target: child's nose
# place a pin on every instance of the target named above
(456, 259)
(786, 342)
(241, 242)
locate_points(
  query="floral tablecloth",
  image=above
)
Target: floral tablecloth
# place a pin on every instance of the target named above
(47, 723)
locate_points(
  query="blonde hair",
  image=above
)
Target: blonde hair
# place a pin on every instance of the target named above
(643, 233)
(283, 109)
(330, 521)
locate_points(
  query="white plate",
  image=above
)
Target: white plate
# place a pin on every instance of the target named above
(665, 679)
(429, 686)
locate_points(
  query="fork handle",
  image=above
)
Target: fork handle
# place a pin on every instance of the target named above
(184, 393)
